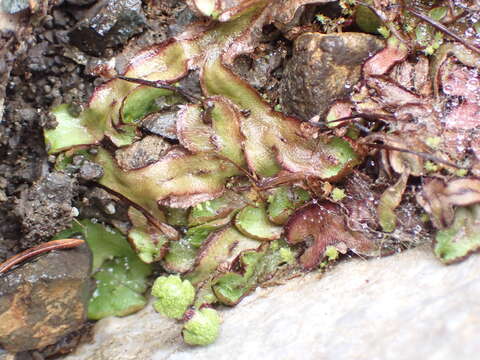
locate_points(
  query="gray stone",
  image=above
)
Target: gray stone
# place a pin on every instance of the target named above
(90, 171)
(403, 307)
(44, 299)
(162, 123)
(141, 153)
(46, 208)
(324, 68)
(14, 6)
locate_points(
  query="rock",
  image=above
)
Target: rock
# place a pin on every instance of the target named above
(15, 6)
(257, 69)
(9, 22)
(46, 208)
(90, 171)
(162, 123)
(324, 68)
(141, 153)
(182, 20)
(44, 299)
(403, 307)
(4, 355)
(80, 2)
(108, 25)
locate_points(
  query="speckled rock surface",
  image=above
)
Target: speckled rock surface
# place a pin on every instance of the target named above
(44, 299)
(407, 306)
(324, 68)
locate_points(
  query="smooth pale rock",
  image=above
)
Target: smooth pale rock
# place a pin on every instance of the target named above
(324, 68)
(407, 306)
(9, 22)
(44, 299)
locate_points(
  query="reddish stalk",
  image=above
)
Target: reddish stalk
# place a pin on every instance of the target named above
(38, 250)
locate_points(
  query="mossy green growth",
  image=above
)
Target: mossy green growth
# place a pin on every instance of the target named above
(367, 20)
(287, 255)
(433, 141)
(338, 194)
(331, 253)
(431, 166)
(202, 328)
(173, 295)
(460, 239)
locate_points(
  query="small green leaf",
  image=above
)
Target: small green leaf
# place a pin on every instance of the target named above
(70, 131)
(120, 275)
(460, 239)
(256, 266)
(253, 222)
(284, 201)
(141, 102)
(215, 209)
(196, 235)
(221, 246)
(120, 285)
(149, 242)
(438, 13)
(180, 257)
(389, 200)
(105, 243)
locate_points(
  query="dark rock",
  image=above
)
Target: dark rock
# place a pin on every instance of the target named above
(162, 123)
(60, 18)
(37, 59)
(141, 153)
(257, 71)
(98, 204)
(183, 19)
(80, 2)
(90, 171)
(109, 25)
(46, 209)
(324, 68)
(191, 82)
(44, 299)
